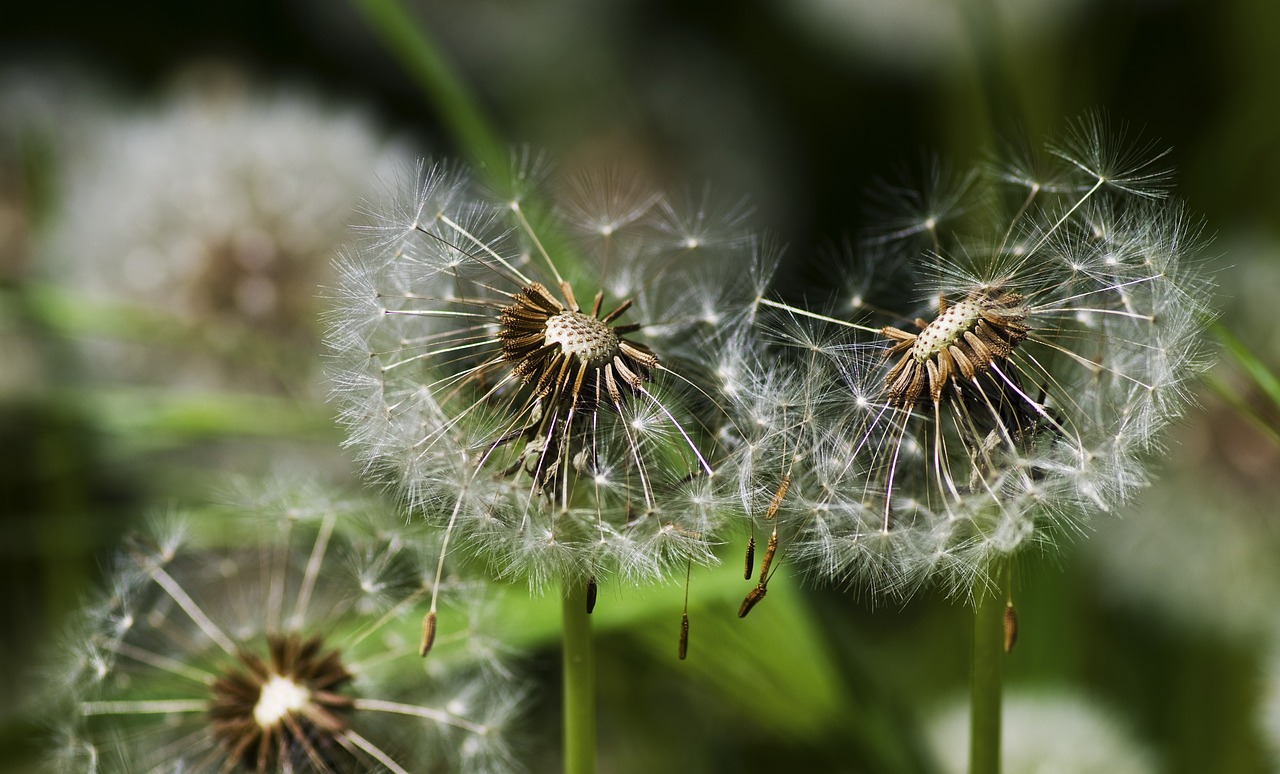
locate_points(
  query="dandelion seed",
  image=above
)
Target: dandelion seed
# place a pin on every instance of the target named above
(428, 633)
(1009, 620)
(218, 659)
(780, 404)
(592, 590)
(683, 651)
(752, 599)
(1064, 330)
(562, 440)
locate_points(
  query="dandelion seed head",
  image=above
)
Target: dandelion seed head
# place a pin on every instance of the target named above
(277, 664)
(1055, 327)
(544, 381)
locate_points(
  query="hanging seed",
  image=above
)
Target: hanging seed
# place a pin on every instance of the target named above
(753, 597)
(750, 564)
(684, 636)
(591, 594)
(1010, 627)
(768, 557)
(778, 495)
(428, 633)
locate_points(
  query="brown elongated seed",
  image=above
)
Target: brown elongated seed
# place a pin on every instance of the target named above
(1010, 627)
(769, 550)
(962, 361)
(778, 495)
(750, 563)
(684, 635)
(980, 349)
(753, 597)
(428, 634)
(591, 594)
(567, 291)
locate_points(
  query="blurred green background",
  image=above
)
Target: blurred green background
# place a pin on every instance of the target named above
(1165, 620)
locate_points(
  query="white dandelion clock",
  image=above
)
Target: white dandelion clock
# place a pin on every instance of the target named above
(1059, 332)
(297, 655)
(542, 385)
(209, 221)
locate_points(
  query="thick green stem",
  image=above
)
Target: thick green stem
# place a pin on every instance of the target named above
(985, 679)
(579, 684)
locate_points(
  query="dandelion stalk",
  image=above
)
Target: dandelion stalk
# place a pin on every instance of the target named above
(1258, 373)
(579, 683)
(546, 412)
(477, 138)
(986, 678)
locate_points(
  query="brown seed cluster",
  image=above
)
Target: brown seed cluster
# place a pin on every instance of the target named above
(573, 362)
(308, 733)
(568, 356)
(964, 340)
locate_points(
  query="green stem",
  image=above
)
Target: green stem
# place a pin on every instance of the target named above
(985, 679)
(579, 684)
(418, 54)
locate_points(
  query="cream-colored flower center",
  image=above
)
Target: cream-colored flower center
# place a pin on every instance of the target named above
(582, 336)
(280, 696)
(946, 329)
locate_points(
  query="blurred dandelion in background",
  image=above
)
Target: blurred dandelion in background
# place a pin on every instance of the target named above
(1060, 331)
(1046, 730)
(1200, 549)
(212, 218)
(925, 35)
(297, 654)
(45, 113)
(1269, 722)
(541, 382)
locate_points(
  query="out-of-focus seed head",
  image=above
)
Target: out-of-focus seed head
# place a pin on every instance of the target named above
(208, 222)
(296, 655)
(1057, 731)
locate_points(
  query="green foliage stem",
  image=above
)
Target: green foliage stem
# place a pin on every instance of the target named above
(410, 43)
